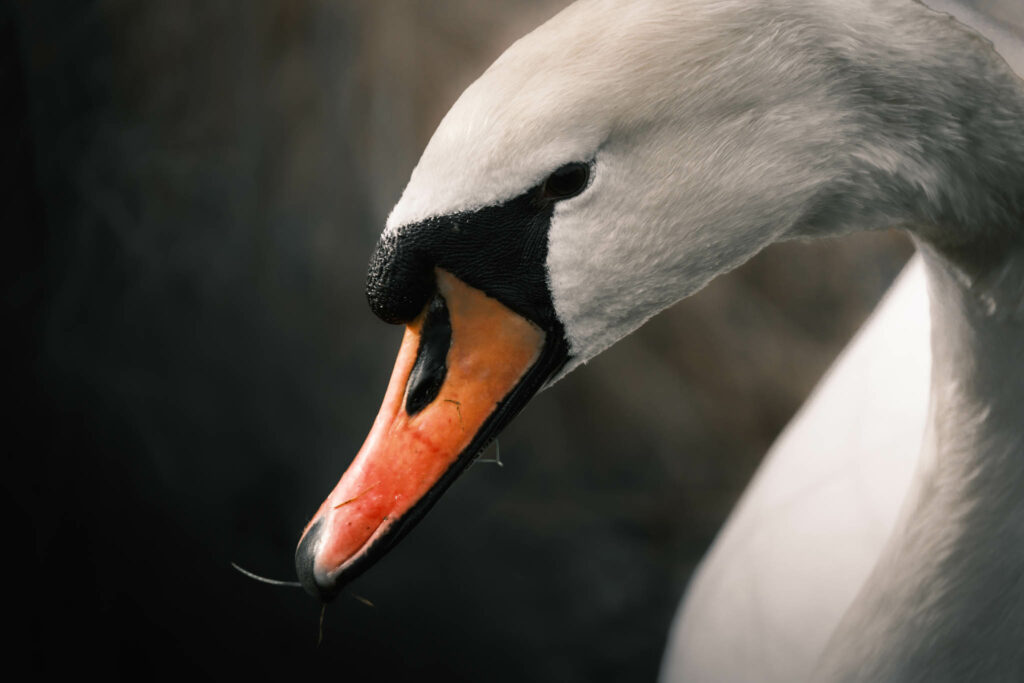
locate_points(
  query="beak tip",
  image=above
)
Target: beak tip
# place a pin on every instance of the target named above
(316, 583)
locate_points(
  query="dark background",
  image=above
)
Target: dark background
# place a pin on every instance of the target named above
(192, 191)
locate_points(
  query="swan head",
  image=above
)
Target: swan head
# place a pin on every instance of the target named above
(700, 152)
(607, 165)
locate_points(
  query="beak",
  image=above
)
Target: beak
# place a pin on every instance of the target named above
(466, 366)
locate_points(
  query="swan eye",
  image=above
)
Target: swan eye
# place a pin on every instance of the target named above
(567, 181)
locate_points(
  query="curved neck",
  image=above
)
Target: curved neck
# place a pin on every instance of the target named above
(946, 600)
(933, 138)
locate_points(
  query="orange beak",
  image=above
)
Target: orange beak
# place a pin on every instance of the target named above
(458, 379)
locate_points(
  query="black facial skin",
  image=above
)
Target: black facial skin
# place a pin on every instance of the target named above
(500, 250)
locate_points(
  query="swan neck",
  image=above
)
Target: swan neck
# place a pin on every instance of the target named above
(974, 450)
(946, 599)
(938, 140)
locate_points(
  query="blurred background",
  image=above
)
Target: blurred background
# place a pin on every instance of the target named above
(192, 192)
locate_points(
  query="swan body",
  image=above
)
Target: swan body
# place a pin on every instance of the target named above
(811, 524)
(617, 159)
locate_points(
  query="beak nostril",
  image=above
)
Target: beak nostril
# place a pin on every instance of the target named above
(431, 367)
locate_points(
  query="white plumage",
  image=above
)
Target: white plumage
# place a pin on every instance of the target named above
(809, 528)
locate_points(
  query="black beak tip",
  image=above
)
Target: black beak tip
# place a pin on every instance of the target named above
(305, 557)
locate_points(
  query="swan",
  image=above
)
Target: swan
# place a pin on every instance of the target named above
(618, 158)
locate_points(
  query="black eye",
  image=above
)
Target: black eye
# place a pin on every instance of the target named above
(567, 181)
